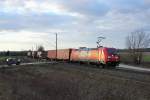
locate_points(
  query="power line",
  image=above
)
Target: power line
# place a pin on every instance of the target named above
(48, 42)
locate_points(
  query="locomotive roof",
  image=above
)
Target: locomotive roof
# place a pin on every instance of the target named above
(82, 48)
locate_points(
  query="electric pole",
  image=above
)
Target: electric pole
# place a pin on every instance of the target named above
(56, 46)
(99, 41)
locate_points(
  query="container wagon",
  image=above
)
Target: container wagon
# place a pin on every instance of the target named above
(37, 54)
(51, 54)
(42, 54)
(32, 54)
(62, 54)
(74, 56)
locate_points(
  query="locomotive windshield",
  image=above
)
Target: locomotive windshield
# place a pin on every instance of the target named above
(112, 51)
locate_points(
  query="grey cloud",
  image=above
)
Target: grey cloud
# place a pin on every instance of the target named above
(42, 22)
(129, 6)
(88, 8)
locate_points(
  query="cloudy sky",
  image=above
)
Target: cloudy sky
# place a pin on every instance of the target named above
(24, 24)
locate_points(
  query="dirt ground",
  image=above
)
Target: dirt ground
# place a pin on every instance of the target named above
(64, 81)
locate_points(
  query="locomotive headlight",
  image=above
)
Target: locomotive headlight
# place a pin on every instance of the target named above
(7, 60)
(116, 57)
(109, 57)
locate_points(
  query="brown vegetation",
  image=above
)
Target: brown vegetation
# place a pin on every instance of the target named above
(70, 82)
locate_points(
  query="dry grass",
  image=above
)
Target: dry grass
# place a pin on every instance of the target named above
(64, 82)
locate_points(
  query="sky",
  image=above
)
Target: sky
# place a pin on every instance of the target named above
(25, 24)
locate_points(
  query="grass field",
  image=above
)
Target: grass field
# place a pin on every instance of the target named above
(146, 58)
(70, 82)
(127, 59)
(3, 57)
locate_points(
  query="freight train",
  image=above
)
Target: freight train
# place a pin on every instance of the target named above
(100, 56)
(37, 54)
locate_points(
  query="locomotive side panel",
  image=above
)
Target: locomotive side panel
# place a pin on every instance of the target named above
(83, 55)
(103, 55)
(93, 55)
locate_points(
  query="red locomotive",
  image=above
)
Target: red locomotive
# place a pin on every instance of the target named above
(100, 56)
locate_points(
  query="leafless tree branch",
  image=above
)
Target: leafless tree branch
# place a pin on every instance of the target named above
(137, 41)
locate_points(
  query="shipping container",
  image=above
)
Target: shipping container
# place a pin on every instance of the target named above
(63, 54)
(51, 54)
(74, 55)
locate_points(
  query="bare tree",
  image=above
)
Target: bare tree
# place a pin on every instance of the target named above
(40, 48)
(137, 41)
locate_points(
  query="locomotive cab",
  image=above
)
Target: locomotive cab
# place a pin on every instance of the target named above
(112, 56)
